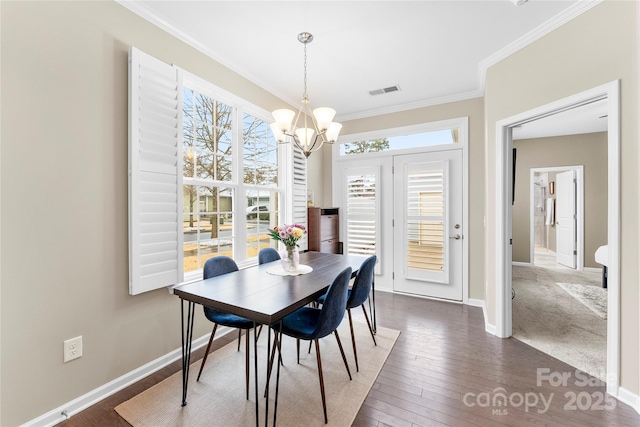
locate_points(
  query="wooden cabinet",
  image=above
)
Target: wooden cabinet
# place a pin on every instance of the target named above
(324, 225)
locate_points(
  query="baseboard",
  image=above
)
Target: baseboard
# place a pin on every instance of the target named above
(81, 403)
(521, 264)
(630, 398)
(480, 303)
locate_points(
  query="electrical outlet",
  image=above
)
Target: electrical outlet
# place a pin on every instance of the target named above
(72, 349)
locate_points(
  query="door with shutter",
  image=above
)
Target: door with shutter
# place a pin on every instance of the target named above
(428, 224)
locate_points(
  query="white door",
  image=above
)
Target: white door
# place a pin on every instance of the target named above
(566, 219)
(428, 224)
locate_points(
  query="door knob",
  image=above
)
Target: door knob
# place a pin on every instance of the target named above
(456, 236)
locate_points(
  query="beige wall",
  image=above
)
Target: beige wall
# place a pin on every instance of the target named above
(64, 139)
(64, 201)
(588, 150)
(593, 49)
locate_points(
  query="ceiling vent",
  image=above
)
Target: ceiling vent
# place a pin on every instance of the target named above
(384, 90)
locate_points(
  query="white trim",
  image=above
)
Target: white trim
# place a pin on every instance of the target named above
(610, 91)
(557, 21)
(71, 408)
(579, 169)
(522, 264)
(630, 398)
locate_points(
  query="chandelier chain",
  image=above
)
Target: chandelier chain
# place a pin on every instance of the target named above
(304, 95)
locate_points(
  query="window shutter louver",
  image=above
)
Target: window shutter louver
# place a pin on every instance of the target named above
(155, 174)
(426, 212)
(362, 211)
(300, 192)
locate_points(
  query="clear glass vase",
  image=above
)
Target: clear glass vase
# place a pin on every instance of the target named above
(290, 258)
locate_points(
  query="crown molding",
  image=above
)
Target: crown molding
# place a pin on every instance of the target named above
(140, 10)
(537, 33)
(557, 21)
(411, 106)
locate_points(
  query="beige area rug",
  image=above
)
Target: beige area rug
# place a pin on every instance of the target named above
(218, 399)
(593, 297)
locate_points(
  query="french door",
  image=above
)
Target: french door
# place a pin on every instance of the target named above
(427, 233)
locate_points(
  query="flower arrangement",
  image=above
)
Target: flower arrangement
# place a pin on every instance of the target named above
(288, 234)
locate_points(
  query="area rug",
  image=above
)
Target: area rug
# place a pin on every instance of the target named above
(218, 399)
(593, 297)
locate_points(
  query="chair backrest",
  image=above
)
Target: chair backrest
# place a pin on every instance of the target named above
(334, 305)
(218, 265)
(267, 255)
(362, 284)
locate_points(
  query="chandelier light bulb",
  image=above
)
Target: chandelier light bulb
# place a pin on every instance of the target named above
(324, 116)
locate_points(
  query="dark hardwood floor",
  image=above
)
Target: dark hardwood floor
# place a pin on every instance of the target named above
(445, 370)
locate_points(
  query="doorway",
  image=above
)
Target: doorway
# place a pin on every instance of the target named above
(544, 195)
(504, 170)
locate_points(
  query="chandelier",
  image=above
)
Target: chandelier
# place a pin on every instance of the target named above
(306, 138)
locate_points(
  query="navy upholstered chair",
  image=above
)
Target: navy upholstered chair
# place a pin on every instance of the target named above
(357, 295)
(308, 323)
(218, 266)
(268, 255)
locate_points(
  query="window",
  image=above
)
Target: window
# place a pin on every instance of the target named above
(217, 172)
(413, 140)
(206, 175)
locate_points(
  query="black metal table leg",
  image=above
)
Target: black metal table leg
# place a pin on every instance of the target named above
(266, 391)
(255, 362)
(279, 344)
(187, 338)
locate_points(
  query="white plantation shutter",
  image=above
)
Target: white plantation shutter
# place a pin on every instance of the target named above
(362, 211)
(426, 212)
(155, 174)
(299, 168)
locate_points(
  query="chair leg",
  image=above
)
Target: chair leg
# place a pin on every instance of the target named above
(369, 325)
(344, 358)
(353, 340)
(239, 337)
(298, 349)
(320, 377)
(206, 353)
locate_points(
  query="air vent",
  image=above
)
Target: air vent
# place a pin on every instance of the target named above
(384, 90)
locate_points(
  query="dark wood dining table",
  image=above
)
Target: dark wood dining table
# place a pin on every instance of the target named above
(262, 297)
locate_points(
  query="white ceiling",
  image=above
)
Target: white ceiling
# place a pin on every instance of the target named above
(435, 51)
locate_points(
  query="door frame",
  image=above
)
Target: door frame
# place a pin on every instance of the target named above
(385, 281)
(579, 169)
(503, 215)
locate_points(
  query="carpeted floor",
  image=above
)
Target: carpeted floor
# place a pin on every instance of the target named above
(562, 312)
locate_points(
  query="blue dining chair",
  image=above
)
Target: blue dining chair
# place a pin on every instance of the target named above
(218, 266)
(268, 255)
(309, 323)
(357, 295)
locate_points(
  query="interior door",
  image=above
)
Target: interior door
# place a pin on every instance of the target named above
(428, 224)
(566, 219)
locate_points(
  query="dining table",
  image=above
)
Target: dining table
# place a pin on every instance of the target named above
(264, 294)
